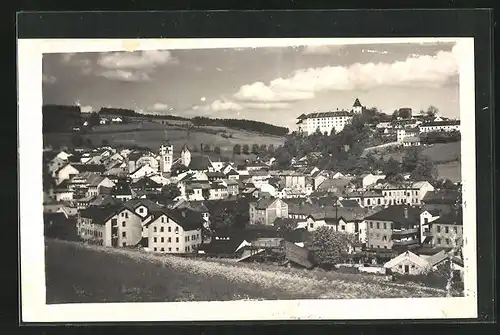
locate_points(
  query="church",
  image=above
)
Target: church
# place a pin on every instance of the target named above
(186, 160)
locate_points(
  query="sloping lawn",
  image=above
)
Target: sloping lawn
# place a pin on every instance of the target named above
(81, 273)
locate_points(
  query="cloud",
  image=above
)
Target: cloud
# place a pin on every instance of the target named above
(320, 49)
(304, 84)
(384, 52)
(148, 59)
(203, 99)
(226, 105)
(277, 91)
(219, 105)
(125, 75)
(48, 79)
(161, 107)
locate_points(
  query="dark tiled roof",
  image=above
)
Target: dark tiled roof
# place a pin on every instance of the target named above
(122, 188)
(215, 174)
(357, 103)
(301, 117)
(105, 200)
(450, 218)
(146, 182)
(98, 168)
(349, 203)
(396, 214)
(200, 163)
(150, 205)
(186, 218)
(264, 203)
(441, 197)
(99, 215)
(328, 114)
(441, 123)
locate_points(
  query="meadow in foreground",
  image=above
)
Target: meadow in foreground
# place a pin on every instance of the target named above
(83, 273)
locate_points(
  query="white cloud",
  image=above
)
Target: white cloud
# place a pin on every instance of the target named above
(203, 98)
(320, 49)
(219, 105)
(48, 79)
(303, 84)
(148, 59)
(374, 51)
(86, 109)
(277, 91)
(125, 75)
(161, 107)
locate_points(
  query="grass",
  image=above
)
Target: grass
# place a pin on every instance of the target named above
(82, 273)
(151, 135)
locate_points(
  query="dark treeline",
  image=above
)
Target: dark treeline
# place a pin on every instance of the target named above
(440, 137)
(118, 111)
(57, 118)
(248, 125)
(163, 116)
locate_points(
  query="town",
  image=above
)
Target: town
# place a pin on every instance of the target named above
(280, 207)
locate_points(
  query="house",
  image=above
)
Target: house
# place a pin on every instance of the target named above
(269, 188)
(143, 171)
(218, 191)
(117, 225)
(232, 174)
(66, 172)
(98, 185)
(407, 263)
(324, 122)
(265, 210)
(442, 230)
(122, 191)
(295, 180)
(446, 257)
(214, 176)
(175, 231)
(410, 193)
(66, 209)
(406, 133)
(200, 163)
(146, 184)
(117, 120)
(196, 190)
(437, 126)
(394, 228)
(335, 186)
(232, 186)
(196, 206)
(63, 193)
(411, 141)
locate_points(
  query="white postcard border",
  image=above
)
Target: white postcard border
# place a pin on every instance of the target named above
(33, 306)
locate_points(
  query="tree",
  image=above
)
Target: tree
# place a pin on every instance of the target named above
(93, 119)
(391, 168)
(246, 149)
(263, 148)
(207, 148)
(410, 159)
(77, 140)
(105, 142)
(270, 148)
(424, 169)
(255, 149)
(217, 150)
(237, 149)
(205, 193)
(330, 247)
(178, 169)
(170, 191)
(88, 143)
(432, 111)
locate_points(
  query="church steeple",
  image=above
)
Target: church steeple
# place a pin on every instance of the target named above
(357, 107)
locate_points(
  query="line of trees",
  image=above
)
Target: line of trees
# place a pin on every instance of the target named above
(249, 125)
(255, 149)
(59, 118)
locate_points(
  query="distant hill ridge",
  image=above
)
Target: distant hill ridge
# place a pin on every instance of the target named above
(52, 115)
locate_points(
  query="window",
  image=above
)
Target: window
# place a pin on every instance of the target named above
(154, 229)
(343, 227)
(169, 249)
(169, 240)
(384, 238)
(124, 244)
(177, 240)
(155, 249)
(426, 220)
(123, 214)
(447, 241)
(455, 230)
(169, 229)
(385, 225)
(371, 224)
(413, 266)
(124, 224)
(438, 228)
(126, 215)
(378, 225)
(162, 249)
(378, 246)
(177, 249)
(439, 240)
(311, 225)
(446, 229)
(162, 219)
(155, 239)
(161, 229)
(141, 210)
(162, 240)
(124, 234)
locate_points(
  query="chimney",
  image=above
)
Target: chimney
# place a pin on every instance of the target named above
(406, 212)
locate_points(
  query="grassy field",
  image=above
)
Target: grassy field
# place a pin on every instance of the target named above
(446, 157)
(151, 135)
(81, 273)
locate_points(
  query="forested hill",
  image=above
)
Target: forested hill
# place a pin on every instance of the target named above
(60, 118)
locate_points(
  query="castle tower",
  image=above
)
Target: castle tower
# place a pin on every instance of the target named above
(357, 108)
(185, 156)
(166, 155)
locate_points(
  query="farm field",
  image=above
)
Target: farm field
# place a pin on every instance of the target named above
(151, 135)
(82, 273)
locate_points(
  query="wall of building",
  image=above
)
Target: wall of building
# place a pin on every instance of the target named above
(413, 269)
(379, 236)
(170, 237)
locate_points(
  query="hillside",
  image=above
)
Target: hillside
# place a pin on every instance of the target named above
(151, 135)
(80, 273)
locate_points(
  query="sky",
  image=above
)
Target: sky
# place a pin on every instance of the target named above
(271, 84)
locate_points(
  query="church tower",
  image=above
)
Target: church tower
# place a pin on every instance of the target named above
(166, 155)
(357, 108)
(185, 156)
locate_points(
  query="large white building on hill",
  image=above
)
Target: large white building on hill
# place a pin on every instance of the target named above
(326, 121)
